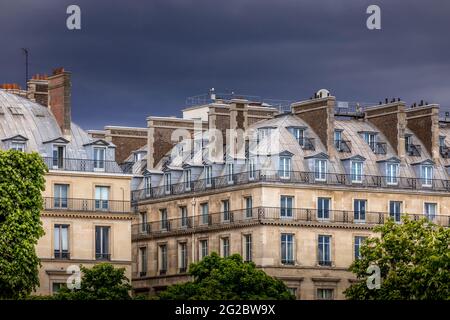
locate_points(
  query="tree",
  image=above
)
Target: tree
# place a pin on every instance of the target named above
(101, 282)
(414, 262)
(22, 179)
(230, 278)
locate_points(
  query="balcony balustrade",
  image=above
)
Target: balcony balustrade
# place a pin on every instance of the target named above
(294, 177)
(86, 205)
(83, 165)
(271, 215)
(343, 146)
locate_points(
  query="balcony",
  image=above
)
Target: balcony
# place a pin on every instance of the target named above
(307, 143)
(272, 216)
(82, 165)
(292, 177)
(86, 205)
(413, 150)
(444, 151)
(379, 147)
(343, 146)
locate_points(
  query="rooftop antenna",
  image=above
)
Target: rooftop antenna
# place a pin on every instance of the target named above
(25, 51)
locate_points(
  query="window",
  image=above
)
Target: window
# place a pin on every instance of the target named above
(167, 182)
(287, 248)
(102, 243)
(325, 294)
(58, 157)
(442, 141)
(56, 286)
(293, 291)
(391, 173)
(203, 248)
(226, 215)
(337, 139)
(286, 206)
(323, 208)
(61, 192)
(356, 171)
(164, 220)
(248, 251)
(225, 247)
(408, 142)
(163, 259)
(99, 159)
(426, 175)
(138, 156)
(187, 179)
(144, 225)
(101, 198)
(148, 185)
(430, 210)
(248, 207)
(251, 169)
(18, 146)
(320, 169)
(299, 135)
(264, 132)
(370, 137)
(358, 243)
(324, 250)
(61, 238)
(184, 216)
(359, 210)
(285, 167)
(395, 208)
(208, 175)
(230, 172)
(143, 260)
(205, 213)
(183, 261)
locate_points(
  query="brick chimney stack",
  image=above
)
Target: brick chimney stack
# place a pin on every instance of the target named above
(38, 89)
(59, 98)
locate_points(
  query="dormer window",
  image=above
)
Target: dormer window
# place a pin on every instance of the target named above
(285, 167)
(187, 179)
(58, 156)
(18, 146)
(356, 171)
(138, 156)
(251, 169)
(370, 138)
(147, 185)
(320, 169)
(391, 173)
(230, 172)
(299, 134)
(167, 183)
(263, 133)
(337, 139)
(426, 175)
(99, 159)
(208, 175)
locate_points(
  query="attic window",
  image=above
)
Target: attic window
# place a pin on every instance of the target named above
(17, 111)
(38, 113)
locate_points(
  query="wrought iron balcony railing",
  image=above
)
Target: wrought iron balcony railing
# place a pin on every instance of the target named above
(307, 143)
(296, 177)
(379, 147)
(88, 205)
(343, 145)
(85, 165)
(444, 151)
(258, 215)
(413, 150)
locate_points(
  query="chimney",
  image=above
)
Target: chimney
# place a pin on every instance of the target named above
(390, 119)
(423, 121)
(38, 89)
(318, 113)
(59, 96)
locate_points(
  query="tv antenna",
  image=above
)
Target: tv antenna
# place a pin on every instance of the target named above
(25, 52)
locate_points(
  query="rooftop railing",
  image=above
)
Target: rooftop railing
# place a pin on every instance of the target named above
(86, 205)
(295, 177)
(86, 165)
(258, 215)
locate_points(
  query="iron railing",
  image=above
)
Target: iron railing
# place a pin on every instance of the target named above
(343, 145)
(297, 177)
(258, 215)
(88, 205)
(444, 151)
(85, 165)
(413, 150)
(379, 147)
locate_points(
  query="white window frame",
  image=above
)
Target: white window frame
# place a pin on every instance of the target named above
(208, 176)
(18, 146)
(426, 175)
(288, 211)
(287, 248)
(187, 177)
(99, 162)
(230, 172)
(393, 213)
(356, 176)
(251, 169)
(392, 173)
(324, 249)
(167, 183)
(430, 214)
(102, 195)
(320, 169)
(285, 167)
(148, 185)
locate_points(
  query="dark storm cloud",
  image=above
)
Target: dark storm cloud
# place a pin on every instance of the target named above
(138, 58)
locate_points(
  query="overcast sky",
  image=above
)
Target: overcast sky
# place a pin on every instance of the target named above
(135, 58)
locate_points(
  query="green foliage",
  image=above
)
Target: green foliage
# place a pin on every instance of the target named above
(22, 179)
(230, 278)
(101, 282)
(414, 260)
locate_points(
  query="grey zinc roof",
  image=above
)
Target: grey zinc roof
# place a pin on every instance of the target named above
(38, 125)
